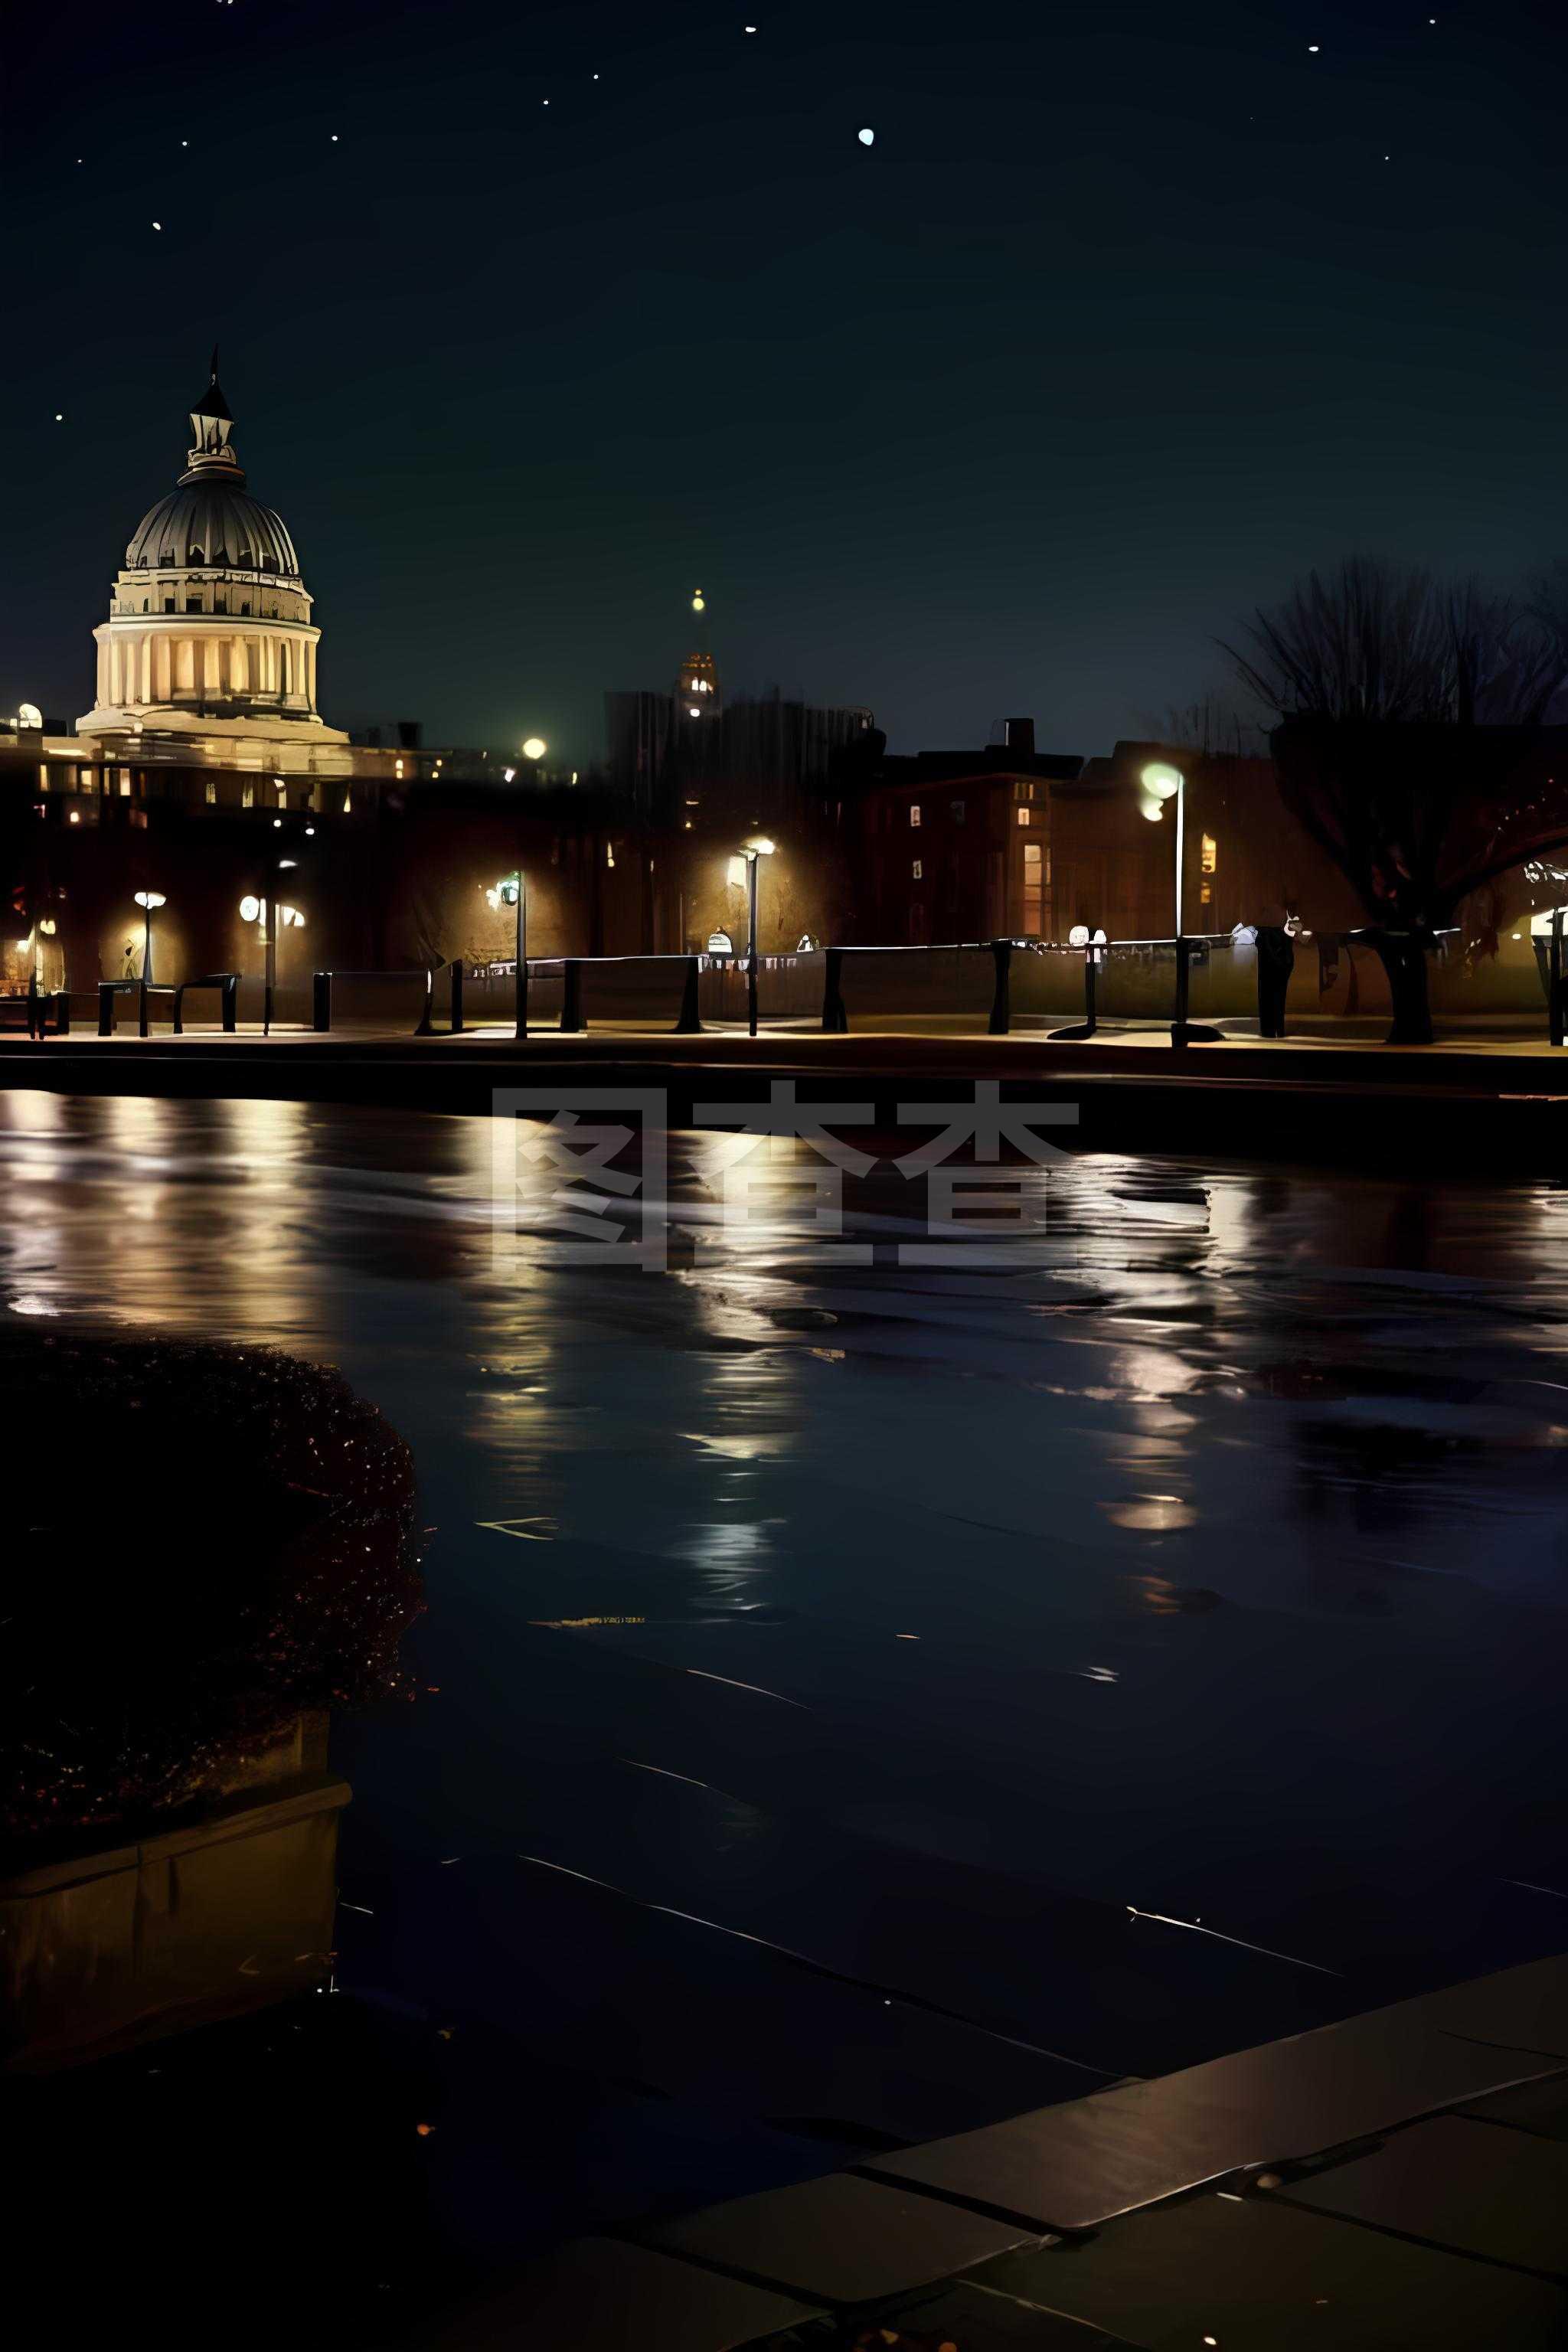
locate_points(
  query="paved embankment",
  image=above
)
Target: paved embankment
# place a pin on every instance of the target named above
(1474, 1103)
(1398, 2181)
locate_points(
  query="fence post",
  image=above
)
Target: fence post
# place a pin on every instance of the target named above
(229, 1014)
(321, 1000)
(141, 1008)
(690, 1025)
(1555, 991)
(571, 994)
(179, 1010)
(106, 1008)
(33, 1016)
(1001, 1002)
(457, 973)
(834, 1015)
(426, 1027)
(63, 1011)
(1179, 1025)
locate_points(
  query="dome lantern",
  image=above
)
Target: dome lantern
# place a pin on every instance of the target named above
(211, 422)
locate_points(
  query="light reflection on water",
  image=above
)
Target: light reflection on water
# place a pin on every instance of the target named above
(1233, 1541)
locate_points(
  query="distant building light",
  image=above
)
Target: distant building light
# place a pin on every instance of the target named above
(1023, 816)
(1209, 861)
(508, 775)
(914, 811)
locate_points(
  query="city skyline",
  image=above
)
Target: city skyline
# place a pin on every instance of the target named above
(1017, 408)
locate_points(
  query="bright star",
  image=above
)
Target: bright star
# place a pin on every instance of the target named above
(866, 138)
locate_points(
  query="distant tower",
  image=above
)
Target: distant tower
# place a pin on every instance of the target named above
(697, 687)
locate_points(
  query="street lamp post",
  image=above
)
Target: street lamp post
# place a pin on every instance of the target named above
(147, 900)
(1161, 782)
(272, 918)
(511, 890)
(758, 848)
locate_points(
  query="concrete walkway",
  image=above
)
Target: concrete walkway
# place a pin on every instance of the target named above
(1398, 2181)
(1485, 1103)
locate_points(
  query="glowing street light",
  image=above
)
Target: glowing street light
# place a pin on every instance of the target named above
(758, 848)
(261, 911)
(1161, 782)
(534, 748)
(511, 890)
(147, 900)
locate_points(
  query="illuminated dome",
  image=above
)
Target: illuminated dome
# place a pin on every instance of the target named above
(210, 523)
(209, 631)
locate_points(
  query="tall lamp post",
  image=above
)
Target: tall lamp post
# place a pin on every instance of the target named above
(1161, 782)
(147, 900)
(272, 918)
(757, 848)
(511, 890)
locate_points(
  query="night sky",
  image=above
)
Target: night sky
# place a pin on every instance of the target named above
(1127, 314)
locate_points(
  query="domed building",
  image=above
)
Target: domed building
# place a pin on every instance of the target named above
(209, 641)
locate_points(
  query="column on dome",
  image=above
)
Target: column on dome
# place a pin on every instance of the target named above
(209, 649)
(184, 665)
(114, 669)
(238, 680)
(161, 684)
(144, 667)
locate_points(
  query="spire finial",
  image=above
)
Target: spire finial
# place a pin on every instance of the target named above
(214, 364)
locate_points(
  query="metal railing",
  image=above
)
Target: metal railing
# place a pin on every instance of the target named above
(1201, 987)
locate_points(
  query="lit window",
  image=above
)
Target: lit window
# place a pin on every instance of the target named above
(917, 870)
(914, 811)
(696, 711)
(212, 791)
(1209, 863)
(347, 803)
(124, 774)
(1023, 816)
(248, 797)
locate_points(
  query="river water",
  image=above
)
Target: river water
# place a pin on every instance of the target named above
(859, 1701)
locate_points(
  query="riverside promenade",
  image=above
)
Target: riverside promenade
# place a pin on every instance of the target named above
(1492, 1096)
(1395, 2183)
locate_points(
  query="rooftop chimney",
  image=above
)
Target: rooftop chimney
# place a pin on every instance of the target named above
(1020, 737)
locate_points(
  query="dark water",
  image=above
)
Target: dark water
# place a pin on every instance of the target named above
(1232, 1550)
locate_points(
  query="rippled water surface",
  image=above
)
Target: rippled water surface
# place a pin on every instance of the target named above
(1083, 1669)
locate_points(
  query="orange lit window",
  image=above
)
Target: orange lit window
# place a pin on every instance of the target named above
(917, 870)
(1209, 863)
(914, 811)
(1023, 816)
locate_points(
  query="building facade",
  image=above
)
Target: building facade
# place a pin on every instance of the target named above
(209, 649)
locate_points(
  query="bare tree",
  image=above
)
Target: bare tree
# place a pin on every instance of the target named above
(1410, 740)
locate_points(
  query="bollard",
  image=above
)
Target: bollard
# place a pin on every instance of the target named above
(141, 1008)
(230, 1013)
(456, 976)
(690, 1025)
(62, 1012)
(426, 1027)
(321, 1000)
(1001, 1002)
(106, 1008)
(1179, 1025)
(35, 1017)
(572, 996)
(1091, 955)
(1554, 993)
(834, 1015)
